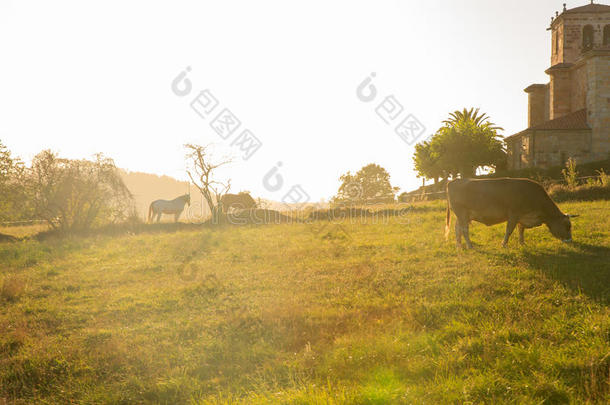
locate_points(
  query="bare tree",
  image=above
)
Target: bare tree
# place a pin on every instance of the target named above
(202, 176)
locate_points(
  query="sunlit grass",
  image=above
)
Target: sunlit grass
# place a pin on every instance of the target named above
(24, 230)
(375, 313)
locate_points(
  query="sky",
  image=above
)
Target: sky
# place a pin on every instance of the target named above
(86, 77)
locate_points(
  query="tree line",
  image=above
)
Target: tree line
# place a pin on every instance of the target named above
(74, 194)
(68, 194)
(467, 141)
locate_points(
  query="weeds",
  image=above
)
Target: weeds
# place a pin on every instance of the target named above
(570, 175)
(13, 288)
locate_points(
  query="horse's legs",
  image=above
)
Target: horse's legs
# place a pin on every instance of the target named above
(176, 216)
(159, 216)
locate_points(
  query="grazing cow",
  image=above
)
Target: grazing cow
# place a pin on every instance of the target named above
(242, 201)
(518, 202)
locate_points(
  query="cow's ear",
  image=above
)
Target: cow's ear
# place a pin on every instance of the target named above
(573, 216)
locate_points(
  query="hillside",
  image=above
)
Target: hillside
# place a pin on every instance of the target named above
(385, 312)
(147, 188)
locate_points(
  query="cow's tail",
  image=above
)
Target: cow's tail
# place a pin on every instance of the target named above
(150, 212)
(448, 220)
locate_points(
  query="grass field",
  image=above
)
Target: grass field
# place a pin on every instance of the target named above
(309, 314)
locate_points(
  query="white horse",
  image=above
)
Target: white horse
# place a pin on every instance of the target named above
(175, 206)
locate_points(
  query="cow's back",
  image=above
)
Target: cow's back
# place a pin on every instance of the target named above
(241, 200)
(519, 196)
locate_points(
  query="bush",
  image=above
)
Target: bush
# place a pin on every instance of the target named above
(13, 201)
(77, 194)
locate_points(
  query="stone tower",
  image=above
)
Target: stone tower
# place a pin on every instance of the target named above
(570, 115)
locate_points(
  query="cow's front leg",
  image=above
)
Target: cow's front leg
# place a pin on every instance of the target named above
(521, 234)
(510, 227)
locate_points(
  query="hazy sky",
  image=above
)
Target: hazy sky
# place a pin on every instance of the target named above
(80, 78)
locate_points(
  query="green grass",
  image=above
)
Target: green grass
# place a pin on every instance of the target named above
(310, 314)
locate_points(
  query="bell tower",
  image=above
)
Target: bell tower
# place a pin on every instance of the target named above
(570, 115)
(574, 33)
(578, 30)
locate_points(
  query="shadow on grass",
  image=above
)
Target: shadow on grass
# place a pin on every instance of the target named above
(237, 218)
(122, 229)
(7, 238)
(585, 268)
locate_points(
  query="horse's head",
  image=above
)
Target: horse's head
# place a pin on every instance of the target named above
(187, 199)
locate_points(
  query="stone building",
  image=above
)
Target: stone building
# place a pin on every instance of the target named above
(570, 115)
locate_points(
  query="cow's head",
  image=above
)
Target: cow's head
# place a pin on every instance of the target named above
(187, 199)
(561, 228)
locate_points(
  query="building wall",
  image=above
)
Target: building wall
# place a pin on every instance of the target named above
(553, 148)
(537, 104)
(557, 44)
(548, 148)
(560, 89)
(578, 93)
(568, 28)
(598, 103)
(547, 103)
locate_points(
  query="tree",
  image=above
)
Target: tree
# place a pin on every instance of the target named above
(426, 164)
(370, 185)
(202, 176)
(479, 119)
(13, 200)
(467, 141)
(77, 194)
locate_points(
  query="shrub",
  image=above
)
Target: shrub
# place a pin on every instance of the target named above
(13, 202)
(604, 179)
(77, 194)
(570, 175)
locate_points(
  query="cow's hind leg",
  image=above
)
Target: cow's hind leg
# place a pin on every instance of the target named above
(510, 227)
(461, 229)
(521, 234)
(466, 231)
(458, 233)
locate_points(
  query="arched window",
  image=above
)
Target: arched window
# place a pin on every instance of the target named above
(587, 37)
(607, 35)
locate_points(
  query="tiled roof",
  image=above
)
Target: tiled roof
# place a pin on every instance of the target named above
(574, 121)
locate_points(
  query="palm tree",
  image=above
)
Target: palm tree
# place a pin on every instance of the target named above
(467, 141)
(478, 119)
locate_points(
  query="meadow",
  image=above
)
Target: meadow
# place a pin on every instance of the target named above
(371, 312)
